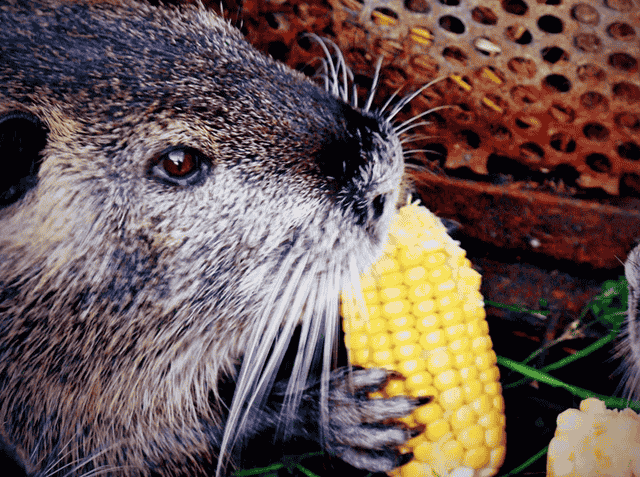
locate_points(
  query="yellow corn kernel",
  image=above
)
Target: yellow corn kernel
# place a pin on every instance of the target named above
(394, 309)
(393, 293)
(462, 418)
(358, 341)
(418, 380)
(437, 429)
(394, 388)
(401, 323)
(404, 337)
(411, 367)
(427, 321)
(375, 326)
(420, 292)
(406, 352)
(390, 280)
(429, 413)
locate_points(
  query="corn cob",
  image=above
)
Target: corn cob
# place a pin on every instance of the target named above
(426, 320)
(595, 441)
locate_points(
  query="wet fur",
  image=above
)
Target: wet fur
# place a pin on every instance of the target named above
(125, 301)
(629, 347)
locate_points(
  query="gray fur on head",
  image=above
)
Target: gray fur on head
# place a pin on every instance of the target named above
(129, 292)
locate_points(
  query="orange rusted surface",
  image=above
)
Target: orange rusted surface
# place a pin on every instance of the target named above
(540, 92)
(583, 232)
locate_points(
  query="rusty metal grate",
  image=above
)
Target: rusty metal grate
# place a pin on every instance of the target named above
(546, 84)
(545, 105)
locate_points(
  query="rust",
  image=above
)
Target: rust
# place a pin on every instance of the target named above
(553, 89)
(562, 228)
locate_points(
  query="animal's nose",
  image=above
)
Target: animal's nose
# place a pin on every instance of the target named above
(350, 147)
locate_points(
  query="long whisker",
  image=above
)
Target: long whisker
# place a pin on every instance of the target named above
(354, 97)
(254, 353)
(402, 131)
(292, 312)
(329, 357)
(402, 126)
(334, 74)
(415, 137)
(309, 335)
(265, 340)
(407, 99)
(374, 85)
(346, 72)
(391, 98)
(415, 151)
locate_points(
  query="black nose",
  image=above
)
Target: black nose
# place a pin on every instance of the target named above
(349, 147)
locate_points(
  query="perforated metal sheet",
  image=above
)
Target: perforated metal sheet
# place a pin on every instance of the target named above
(544, 96)
(544, 83)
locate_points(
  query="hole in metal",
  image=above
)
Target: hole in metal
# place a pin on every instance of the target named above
(550, 24)
(595, 132)
(484, 16)
(557, 83)
(598, 162)
(515, 7)
(452, 24)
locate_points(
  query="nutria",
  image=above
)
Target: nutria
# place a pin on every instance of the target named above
(628, 347)
(174, 207)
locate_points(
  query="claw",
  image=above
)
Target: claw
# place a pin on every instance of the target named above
(404, 459)
(364, 431)
(416, 431)
(424, 400)
(395, 375)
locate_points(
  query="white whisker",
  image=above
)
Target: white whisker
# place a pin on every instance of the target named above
(391, 98)
(374, 85)
(332, 70)
(415, 151)
(356, 288)
(256, 353)
(403, 126)
(412, 126)
(407, 99)
(291, 313)
(309, 335)
(354, 97)
(415, 137)
(346, 74)
(331, 314)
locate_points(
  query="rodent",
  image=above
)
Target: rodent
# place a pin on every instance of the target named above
(175, 205)
(628, 347)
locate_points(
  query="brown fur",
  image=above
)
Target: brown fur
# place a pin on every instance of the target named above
(126, 297)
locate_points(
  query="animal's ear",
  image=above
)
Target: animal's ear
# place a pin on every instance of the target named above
(22, 138)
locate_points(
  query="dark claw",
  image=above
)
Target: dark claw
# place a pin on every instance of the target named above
(395, 375)
(363, 431)
(404, 459)
(416, 431)
(424, 400)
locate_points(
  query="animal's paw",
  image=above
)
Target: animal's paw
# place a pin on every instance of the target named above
(361, 431)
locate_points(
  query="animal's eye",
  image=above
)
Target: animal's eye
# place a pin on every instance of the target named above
(180, 166)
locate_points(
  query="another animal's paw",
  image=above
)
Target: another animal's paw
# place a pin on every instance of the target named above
(361, 431)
